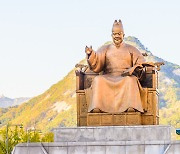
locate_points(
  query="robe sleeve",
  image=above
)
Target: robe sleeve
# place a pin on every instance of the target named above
(137, 59)
(96, 60)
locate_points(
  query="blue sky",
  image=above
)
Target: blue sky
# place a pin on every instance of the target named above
(41, 40)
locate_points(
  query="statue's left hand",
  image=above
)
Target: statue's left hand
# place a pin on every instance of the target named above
(139, 72)
(138, 69)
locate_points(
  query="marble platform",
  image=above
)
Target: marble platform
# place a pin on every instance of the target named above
(106, 140)
(113, 133)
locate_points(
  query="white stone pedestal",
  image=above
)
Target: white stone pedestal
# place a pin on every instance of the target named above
(113, 133)
(106, 140)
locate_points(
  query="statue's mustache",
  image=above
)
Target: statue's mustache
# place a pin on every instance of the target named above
(117, 38)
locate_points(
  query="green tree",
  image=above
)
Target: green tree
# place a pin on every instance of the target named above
(11, 136)
(48, 137)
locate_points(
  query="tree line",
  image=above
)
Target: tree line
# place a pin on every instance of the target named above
(11, 135)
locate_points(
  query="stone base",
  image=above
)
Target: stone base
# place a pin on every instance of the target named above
(113, 133)
(106, 140)
(113, 147)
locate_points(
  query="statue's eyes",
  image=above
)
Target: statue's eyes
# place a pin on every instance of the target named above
(118, 33)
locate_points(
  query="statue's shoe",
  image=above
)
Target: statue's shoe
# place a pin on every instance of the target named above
(130, 110)
(96, 110)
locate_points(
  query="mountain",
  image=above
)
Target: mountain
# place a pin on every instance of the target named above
(57, 106)
(8, 102)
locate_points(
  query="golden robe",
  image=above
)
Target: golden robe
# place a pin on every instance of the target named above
(117, 89)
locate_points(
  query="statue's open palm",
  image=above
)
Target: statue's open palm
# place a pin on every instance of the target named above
(88, 50)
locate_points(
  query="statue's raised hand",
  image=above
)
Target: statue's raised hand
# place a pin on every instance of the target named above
(88, 50)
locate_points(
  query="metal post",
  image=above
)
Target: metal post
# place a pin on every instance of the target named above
(178, 131)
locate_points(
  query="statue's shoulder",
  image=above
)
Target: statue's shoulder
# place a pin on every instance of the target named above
(104, 48)
(132, 48)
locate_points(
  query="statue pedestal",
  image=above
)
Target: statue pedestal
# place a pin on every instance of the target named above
(106, 140)
(113, 133)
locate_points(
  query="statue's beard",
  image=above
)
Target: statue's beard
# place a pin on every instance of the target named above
(117, 41)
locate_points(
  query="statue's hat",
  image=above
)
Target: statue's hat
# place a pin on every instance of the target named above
(118, 24)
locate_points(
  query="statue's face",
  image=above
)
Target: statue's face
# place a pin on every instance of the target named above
(117, 35)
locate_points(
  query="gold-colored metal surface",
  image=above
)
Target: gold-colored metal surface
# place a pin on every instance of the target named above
(118, 81)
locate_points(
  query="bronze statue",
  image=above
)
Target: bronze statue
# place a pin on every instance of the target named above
(118, 89)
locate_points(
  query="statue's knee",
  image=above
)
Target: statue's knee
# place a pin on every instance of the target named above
(97, 80)
(130, 78)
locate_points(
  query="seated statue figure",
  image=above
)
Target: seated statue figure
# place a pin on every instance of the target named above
(118, 88)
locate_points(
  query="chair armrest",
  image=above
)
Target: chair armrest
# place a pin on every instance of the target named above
(150, 75)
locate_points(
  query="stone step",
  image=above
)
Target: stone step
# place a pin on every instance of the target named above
(98, 147)
(113, 133)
